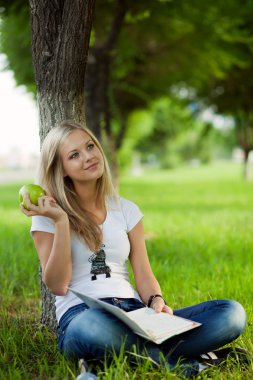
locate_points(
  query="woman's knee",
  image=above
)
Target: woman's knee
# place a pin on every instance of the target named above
(93, 332)
(236, 317)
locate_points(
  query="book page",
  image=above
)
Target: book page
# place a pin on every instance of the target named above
(150, 319)
(145, 322)
(160, 325)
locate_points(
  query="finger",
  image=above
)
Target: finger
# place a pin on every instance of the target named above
(158, 306)
(52, 201)
(27, 201)
(158, 309)
(43, 201)
(47, 198)
(27, 212)
(168, 310)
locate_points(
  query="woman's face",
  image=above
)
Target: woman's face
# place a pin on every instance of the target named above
(82, 160)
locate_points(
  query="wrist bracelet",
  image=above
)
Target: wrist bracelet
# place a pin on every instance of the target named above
(151, 298)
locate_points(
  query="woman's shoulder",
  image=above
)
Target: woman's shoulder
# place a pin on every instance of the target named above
(118, 203)
(127, 204)
(129, 212)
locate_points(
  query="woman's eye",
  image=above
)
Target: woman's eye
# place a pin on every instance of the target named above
(75, 155)
(90, 146)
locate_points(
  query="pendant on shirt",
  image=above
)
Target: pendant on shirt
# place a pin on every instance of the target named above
(98, 264)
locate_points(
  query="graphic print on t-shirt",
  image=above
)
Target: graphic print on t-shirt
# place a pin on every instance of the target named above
(98, 264)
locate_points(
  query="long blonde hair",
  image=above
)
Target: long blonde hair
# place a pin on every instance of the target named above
(51, 178)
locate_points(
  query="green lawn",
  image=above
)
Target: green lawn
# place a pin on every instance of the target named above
(198, 224)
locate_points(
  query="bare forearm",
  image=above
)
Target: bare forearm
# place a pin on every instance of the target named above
(148, 286)
(146, 283)
(58, 270)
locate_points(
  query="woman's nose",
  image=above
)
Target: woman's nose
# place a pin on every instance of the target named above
(87, 155)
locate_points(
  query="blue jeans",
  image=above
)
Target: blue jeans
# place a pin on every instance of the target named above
(89, 333)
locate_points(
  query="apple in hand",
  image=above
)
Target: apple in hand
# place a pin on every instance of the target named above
(35, 191)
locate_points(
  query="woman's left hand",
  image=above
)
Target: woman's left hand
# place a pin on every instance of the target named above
(159, 306)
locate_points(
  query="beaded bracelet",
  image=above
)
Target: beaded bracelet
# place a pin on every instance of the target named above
(151, 298)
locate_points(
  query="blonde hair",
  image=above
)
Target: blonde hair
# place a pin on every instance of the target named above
(51, 178)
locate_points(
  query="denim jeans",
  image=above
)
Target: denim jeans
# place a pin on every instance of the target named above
(89, 333)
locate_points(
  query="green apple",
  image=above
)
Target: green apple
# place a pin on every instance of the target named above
(35, 191)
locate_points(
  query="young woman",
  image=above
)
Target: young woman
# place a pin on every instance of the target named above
(84, 234)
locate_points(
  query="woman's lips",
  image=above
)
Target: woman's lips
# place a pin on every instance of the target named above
(91, 166)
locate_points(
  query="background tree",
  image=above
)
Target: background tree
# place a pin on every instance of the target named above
(15, 41)
(231, 94)
(159, 44)
(141, 49)
(168, 119)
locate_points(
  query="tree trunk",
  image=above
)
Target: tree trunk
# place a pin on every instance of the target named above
(246, 166)
(97, 86)
(60, 41)
(60, 32)
(244, 135)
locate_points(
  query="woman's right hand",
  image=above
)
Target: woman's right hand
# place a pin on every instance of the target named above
(54, 249)
(47, 206)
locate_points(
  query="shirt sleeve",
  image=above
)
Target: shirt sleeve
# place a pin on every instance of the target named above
(42, 223)
(132, 213)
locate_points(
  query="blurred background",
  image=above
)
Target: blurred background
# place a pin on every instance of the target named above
(19, 145)
(179, 87)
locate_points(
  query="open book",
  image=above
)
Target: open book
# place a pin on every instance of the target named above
(145, 322)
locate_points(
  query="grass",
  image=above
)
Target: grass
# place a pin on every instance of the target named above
(199, 237)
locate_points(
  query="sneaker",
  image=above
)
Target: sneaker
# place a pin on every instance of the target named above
(217, 357)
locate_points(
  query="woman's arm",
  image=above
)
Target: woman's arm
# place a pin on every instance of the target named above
(53, 249)
(146, 283)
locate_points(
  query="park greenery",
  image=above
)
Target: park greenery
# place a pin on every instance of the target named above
(145, 51)
(198, 226)
(153, 68)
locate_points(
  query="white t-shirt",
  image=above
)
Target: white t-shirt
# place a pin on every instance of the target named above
(104, 273)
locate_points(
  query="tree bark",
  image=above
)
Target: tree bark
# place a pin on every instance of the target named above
(97, 87)
(60, 42)
(244, 134)
(246, 166)
(60, 31)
